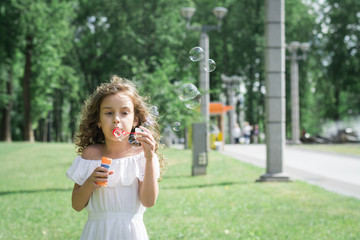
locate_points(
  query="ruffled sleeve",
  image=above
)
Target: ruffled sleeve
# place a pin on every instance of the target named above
(81, 169)
(126, 169)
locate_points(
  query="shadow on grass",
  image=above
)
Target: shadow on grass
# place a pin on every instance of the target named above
(35, 191)
(207, 185)
(176, 176)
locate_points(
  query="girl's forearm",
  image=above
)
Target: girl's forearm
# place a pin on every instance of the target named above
(81, 196)
(149, 188)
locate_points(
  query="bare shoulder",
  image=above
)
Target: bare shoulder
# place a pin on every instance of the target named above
(92, 152)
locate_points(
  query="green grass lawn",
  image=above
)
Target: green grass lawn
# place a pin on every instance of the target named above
(35, 201)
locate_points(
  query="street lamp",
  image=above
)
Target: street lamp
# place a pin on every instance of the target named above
(187, 13)
(230, 83)
(293, 48)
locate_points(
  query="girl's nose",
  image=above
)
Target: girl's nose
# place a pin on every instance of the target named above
(116, 120)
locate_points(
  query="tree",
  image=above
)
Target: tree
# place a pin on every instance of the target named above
(45, 34)
(8, 27)
(341, 57)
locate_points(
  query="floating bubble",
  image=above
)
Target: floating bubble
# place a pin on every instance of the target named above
(194, 102)
(187, 91)
(148, 121)
(209, 65)
(176, 126)
(146, 124)
(133, 141)
(154, 111)
(138, 132)
(196, 54)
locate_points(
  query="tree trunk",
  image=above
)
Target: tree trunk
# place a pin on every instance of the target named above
(6, 112)
(50, 126)
(337, 103)
(28, 131)
(58, 103)
(44, 128)
(73, 114)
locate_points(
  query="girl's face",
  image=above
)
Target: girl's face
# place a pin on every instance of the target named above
(116, 111)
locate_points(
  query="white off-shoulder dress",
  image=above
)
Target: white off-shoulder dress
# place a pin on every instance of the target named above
(115, 211)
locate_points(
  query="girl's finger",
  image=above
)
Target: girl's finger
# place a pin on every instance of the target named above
(147, 144)
(146, 134)
(101, 180)
(144, 129)
(101, 175)
(146, 140)
(101, 169)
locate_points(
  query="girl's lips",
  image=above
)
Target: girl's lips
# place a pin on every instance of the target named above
(118, 133)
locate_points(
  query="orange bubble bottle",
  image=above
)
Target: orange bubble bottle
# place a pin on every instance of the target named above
(106, 163)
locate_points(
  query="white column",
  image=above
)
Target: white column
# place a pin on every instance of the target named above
(295, 111)
(275, 90)
(205, 84)
(204, 76)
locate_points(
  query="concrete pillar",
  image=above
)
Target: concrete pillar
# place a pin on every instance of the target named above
(231, 119)
(275, 90)
(231, 82)
(204, 76)
(205, 85)
(295, 111)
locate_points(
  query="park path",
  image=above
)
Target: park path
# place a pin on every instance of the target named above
(335, 172)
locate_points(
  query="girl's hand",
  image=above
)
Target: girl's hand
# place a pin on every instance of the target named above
(148, 142)
(100, 174)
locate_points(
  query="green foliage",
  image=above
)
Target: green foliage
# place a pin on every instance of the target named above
(142, 41)
(9, 27)
(49, 27)
(239, 50)
(79, 44)
(336, 54)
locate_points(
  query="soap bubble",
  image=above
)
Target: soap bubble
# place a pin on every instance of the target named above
(196, 54)
(194, 102)
(133, 141)
(187, 91)
(209, 65)
(146, 124)
(154, 111)
(148, 121)
(176, 126)
(138, 132)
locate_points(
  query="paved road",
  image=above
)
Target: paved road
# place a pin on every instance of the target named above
(338, 173)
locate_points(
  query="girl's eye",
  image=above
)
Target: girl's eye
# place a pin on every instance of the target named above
(124, 113)
(108, 113)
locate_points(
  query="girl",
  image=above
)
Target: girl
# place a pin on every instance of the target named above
(115, 211)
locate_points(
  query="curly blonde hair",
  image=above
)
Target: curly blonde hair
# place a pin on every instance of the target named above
(88, 132)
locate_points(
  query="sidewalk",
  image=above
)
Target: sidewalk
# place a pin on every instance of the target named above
(338, 173)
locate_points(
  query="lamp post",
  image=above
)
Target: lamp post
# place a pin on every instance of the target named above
(275, 91)
(200, 154)
(219, 13)
(293, 48)
(231, 82)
